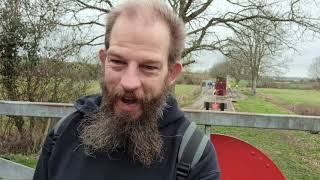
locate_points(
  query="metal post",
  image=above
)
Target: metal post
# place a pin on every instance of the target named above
(207, 129)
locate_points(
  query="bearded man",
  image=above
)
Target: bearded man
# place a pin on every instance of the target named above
(135, 128)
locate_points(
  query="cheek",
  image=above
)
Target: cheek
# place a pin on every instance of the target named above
(155, 87)
(111, 78)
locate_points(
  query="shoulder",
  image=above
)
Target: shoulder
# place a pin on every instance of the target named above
(197, 154)
(66, 121)
(207, 167)
(59, 129)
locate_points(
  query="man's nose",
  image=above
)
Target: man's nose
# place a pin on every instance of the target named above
(130, 80)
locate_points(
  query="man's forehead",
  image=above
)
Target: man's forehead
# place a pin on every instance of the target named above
(140, 29)
(144, 15)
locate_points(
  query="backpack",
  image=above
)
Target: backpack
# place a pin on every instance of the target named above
(190, 151)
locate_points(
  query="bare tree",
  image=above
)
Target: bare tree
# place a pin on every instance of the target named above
(314, 68)
(210, 24)
(314, 71)
(256, 47)
(238, 69)
(219, 70)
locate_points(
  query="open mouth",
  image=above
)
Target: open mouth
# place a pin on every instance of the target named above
(129, 104)
(129, 100)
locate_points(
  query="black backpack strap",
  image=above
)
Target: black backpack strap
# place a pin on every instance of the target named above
(191, 149)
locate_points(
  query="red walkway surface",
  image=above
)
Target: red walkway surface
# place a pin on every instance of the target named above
(239, 160)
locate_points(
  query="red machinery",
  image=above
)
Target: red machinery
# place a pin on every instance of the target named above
(220, 86)
(241, 161)
(220, 92)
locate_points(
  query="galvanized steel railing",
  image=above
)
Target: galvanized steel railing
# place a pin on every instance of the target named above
(202, 117)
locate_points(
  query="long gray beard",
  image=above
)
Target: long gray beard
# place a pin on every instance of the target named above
(105, 131)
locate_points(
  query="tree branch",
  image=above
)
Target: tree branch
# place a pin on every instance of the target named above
(198, 11)
(92, 7)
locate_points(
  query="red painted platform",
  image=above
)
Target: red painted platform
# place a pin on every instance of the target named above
(239, 160)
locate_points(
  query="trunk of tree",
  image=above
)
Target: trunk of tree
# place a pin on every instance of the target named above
(254, 85)
(19, 123)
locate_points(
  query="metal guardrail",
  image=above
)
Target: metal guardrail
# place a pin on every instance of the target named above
(207, 118)
(35, 109)
(253, 120)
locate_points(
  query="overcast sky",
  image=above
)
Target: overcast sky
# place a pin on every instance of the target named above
(302, 59)
(298, 63)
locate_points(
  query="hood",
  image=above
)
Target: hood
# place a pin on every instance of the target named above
(171, 113)
(89, 103)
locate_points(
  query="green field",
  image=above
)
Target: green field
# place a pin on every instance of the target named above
(296, 153)
(187, 94)
(293, 96)
(186, 89)
(258, 105)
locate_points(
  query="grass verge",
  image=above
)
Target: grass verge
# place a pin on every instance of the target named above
(27, 160)
(186, 94)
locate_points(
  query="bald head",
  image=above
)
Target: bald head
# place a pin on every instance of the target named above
(148, 12)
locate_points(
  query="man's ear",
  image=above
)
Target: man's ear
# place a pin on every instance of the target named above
(174, 72)
(103, 55)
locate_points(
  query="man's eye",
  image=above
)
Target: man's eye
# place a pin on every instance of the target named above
(117, 62)
(149, 67)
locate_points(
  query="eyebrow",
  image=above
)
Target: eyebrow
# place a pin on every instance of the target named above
(147, 60)
(114, 54)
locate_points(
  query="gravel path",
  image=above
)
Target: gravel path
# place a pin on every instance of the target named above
(208, 96)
